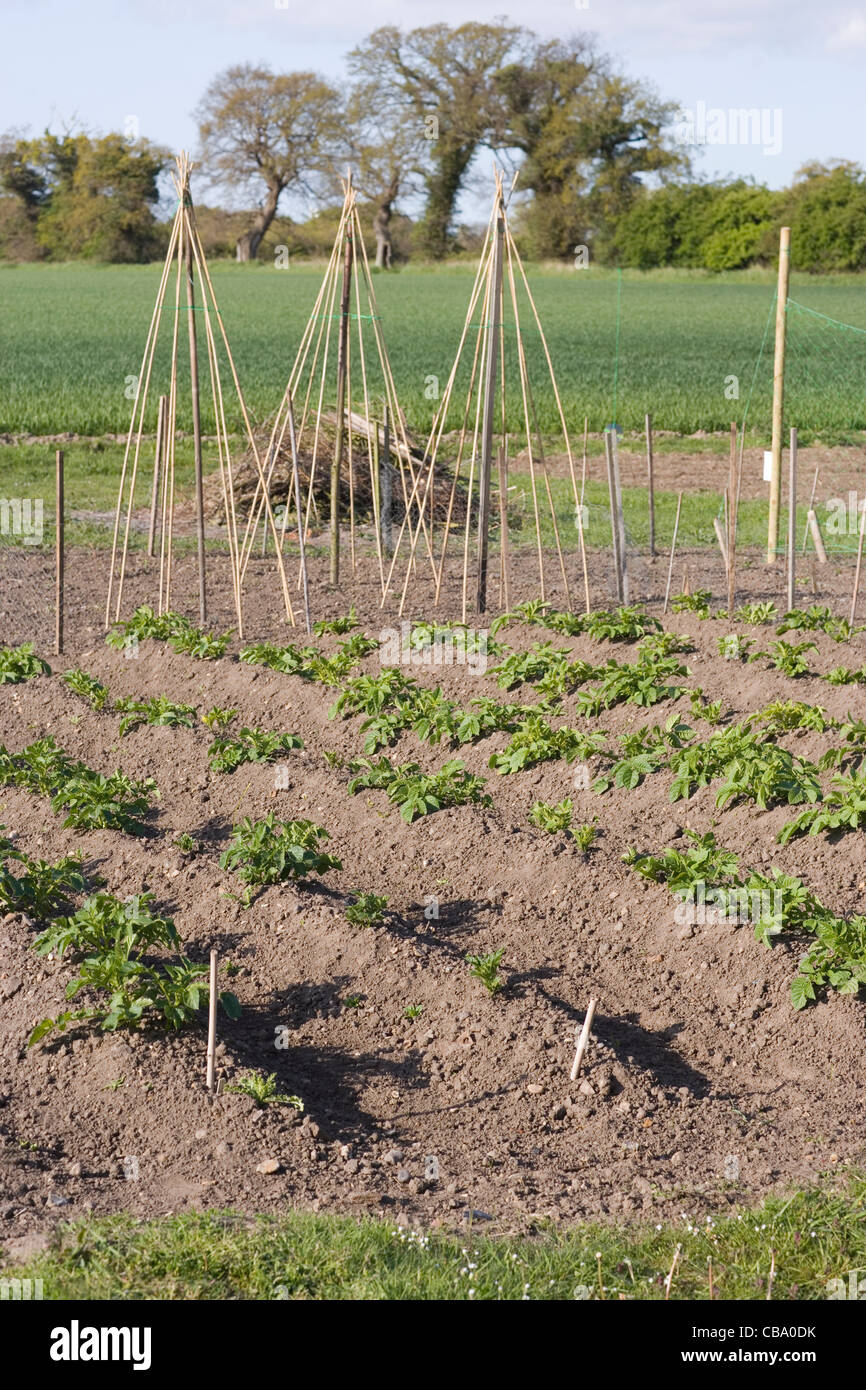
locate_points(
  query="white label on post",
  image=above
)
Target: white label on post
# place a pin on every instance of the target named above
(768, 465)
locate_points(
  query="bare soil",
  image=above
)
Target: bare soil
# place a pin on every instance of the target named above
(703, 1086)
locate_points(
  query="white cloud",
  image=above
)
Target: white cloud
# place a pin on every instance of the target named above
(851, 34)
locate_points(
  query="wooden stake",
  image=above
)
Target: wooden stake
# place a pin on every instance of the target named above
(196, 425)
(161, 416)
(817, 539)
(337, 461)
(211, 1022)
(720, 537)
(670, 1277)
(733, 508)
(504, 557)
(583, 1039)
(856, 589)
(301, 543)
(792, 517)
(673, 552)
(59, 528)
(614, 515)
(620, 518)
(778, 391)
(491, 364)
(652, 496)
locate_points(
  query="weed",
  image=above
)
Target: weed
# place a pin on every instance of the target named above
(368, 910)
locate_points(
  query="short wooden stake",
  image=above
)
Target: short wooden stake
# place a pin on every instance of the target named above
(817, 539)
(792, 517)
(583, 1039)
(673, 552)
(59, 527)
(671, 1271)
(211, 1022)
(651, 486)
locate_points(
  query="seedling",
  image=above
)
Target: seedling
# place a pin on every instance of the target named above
(368, 910)
(818, 619)
(353, 1001)
(783, 716)
(843, 808)
(553, 819)
(708, 710)
(788, 657)
(226, 754)
(263, 1090)
(534, 741)
(486, 969)
(217, 718)
(144, 625)
(88, 687)
(735, 648)
(585, 835)
(339, 626)
(206, 646)
(417, 793)
(158, 710)
(756, 614)
(186, 843)
(698, 602)
(43, 889)
(413, 1011)
(21, 664)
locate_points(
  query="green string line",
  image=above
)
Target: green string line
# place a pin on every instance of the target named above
(616, 343)
(837, 323)
(348, 316)
(757, 364)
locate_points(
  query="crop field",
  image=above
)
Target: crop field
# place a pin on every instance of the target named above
(416, 871)
(71, 340)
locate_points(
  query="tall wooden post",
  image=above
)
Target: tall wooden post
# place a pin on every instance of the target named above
(337, 461)
(778, 391)
(491, 364)
(59, 524)
(620, 518)
(196, 425)
(296, 483)
(504, 558)
(385, 490)
(733, 507)
(650, 484)
(792, 516)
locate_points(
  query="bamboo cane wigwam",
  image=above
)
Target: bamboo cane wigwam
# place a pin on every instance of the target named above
(340, 387)
(500, 283)
(184, 248)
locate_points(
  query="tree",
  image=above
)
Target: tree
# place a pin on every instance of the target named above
(262, 128)
(589, 136)
(386, 153)
(440, 83)
(90, 197)
(826, 211)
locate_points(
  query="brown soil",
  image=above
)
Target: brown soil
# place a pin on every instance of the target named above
(697, 1055)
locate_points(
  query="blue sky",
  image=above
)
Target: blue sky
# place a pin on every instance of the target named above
(103, 61)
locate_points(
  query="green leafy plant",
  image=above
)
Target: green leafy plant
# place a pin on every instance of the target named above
(586, 834)
(368, 910)
(90, 800)
(249, 746)
(412, 1011)
(158, 711)
(87, 687)
(733, 647)
(621, 625)
(844, 675)
(852, 752)
(756, 614)
(205, 646)
(693, 870)
(218, 718)
(784, 716)
(21, 664)
(338, 626)
(145, 624)
(708, 710)
(111, 941)
(817, 619)
(788, 657)
(843, 808)
(698, 602)
(644, 682)
(417, 793)
(42, 889)
(534, 741)
(486, 969)
(263, 1090)
(271, 851)
(553, 819)
(186, 844)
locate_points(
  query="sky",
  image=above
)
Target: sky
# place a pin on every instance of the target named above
(101, 63)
